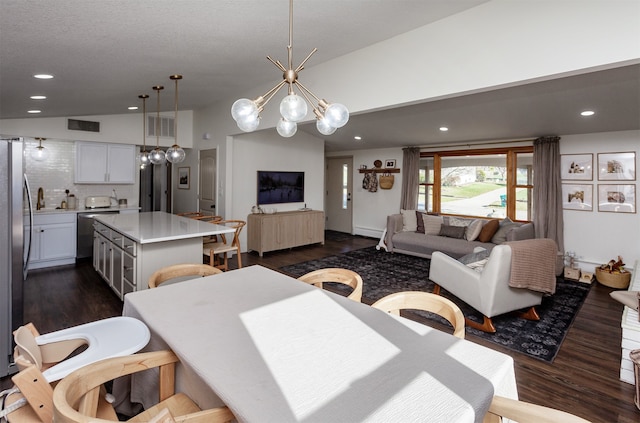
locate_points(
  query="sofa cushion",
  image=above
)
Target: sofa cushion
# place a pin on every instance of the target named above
(473, 230)
(409, 220)
(488, 230)
(452, 231)
(432, 224)
(505, 226)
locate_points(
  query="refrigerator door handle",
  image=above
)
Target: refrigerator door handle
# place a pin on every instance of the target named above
(25, 268)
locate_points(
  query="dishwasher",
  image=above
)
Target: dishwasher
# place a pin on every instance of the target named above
(84, 247)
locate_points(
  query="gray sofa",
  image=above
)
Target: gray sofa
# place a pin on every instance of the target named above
(400, 239)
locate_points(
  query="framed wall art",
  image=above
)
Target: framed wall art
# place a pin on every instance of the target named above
(390, 163)
(577, 167)
(577, 197)
(184, 177)
(617, 166)
(617, 198)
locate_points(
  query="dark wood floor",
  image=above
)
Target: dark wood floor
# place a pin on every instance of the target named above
(583, 379)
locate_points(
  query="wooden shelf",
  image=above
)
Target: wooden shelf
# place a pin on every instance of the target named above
(380, 170)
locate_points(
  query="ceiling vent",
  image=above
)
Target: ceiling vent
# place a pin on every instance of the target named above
(83, 125)
(166, 126)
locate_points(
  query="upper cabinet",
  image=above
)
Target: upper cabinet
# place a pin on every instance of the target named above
(100, 163)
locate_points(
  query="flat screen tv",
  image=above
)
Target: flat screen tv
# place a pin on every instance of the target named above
(276, 187)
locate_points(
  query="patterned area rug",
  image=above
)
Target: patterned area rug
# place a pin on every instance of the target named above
(384, 273)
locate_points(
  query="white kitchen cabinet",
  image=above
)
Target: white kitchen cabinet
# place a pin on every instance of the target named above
(115, 259)
(100, 163)
(54, 240)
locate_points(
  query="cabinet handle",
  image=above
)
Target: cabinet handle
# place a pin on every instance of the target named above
(130, 247)
(117, 239)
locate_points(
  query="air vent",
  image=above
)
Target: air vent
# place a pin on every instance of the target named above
(166, 126)
(83, 125)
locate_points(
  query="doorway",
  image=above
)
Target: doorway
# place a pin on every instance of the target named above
(207, 182)
(339, 183)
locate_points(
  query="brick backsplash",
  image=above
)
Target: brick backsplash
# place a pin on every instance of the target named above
(56, 174)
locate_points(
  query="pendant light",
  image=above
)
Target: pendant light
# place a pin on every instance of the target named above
(40, 153)
(157, 156)
(293, 108)
(143, 156)
(175, 154)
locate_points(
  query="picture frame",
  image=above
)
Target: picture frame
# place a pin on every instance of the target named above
(619, 198)
(577, 167)
(577, 197)
(184, 177)
(390, 163)
(617, 166)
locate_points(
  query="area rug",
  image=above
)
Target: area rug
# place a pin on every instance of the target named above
(384, 273)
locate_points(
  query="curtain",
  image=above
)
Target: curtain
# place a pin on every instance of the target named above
(410, 178)
(547, 190)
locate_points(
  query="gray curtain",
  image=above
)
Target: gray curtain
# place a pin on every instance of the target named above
(547, 190)
(410, 178)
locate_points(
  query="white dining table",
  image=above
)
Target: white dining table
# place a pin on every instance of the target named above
(274, 349)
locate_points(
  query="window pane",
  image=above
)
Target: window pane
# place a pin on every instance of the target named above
(474, 185)
(345, 181)
(426, 170)
(524, 203)
(524, 169)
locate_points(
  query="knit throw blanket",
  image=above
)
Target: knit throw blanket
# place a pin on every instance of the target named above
(533, 264)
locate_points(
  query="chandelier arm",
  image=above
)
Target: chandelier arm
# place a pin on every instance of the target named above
(302, 87)
(303, 91)
(277, 64)
(301, 65)
(269, 94)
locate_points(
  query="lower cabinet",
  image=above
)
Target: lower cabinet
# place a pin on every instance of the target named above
(271, 232)
(54, 240)
(114, 258)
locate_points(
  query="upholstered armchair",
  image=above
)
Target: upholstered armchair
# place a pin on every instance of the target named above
(501, 285)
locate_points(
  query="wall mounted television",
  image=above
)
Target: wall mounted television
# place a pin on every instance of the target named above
(277, 187)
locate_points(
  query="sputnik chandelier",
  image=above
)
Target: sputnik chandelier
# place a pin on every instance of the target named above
(293, 108)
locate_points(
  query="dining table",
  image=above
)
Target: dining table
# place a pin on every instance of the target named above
(275, 349)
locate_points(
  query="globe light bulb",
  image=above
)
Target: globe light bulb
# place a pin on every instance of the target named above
(286, 128)
(157, 156)
(293, 108)
(323, 127)
(143, 158)
(243, 108)
(40, 154)
(337, 115)
(175, 154)
(249, 123)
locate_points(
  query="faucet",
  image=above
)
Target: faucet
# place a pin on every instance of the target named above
(115, 196)
(40, 204)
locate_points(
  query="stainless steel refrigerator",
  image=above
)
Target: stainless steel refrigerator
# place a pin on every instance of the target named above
(15, 210)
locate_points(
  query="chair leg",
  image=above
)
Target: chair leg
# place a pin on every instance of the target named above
(530, 314)
(239, 260)
(436, 289)
(485, 326)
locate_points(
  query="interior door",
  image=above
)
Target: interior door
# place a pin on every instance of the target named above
(207, 192)
(339, 185)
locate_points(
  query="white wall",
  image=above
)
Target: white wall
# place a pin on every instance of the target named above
(597, 237)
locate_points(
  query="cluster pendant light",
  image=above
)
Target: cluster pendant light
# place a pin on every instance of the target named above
(293, 108)
(143, 156)
(175, 154)
(40, 153)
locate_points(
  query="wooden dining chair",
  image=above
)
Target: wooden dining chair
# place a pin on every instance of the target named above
(338, 275)
(176, 271)
(75, 397)
(524, 412)
(210, 218)
(418, 300)
(223, 246)
(190, 214)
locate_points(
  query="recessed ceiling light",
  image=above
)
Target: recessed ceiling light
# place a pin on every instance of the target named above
(34, 111)
(43, 76)
(357, 138)
(444, 128)
(588, 113)
(38, 97)
(132, 107)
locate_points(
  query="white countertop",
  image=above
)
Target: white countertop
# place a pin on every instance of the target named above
(82, 210)
(149, 227)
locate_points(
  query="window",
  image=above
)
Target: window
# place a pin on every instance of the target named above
(478, 183)
(345, 186)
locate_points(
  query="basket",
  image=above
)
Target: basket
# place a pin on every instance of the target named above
(613, 280)
(386, 181)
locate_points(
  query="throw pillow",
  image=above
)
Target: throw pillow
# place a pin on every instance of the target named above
(459, 221)
(501, 234)
(420, 222)
(432, 224)
(488, 230)
(452, 231)
(409, 221)
(473, 230)
(476, 261)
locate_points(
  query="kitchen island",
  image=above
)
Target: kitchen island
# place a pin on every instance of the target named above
(128, 248)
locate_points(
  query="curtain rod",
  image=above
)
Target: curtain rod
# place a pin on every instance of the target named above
(470, 145)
